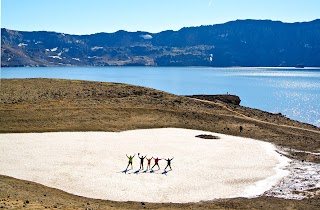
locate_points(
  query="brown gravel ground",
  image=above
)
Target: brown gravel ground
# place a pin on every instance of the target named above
(50, 105)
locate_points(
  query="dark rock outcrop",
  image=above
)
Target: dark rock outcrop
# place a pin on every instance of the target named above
(230, 99)
(206, 136)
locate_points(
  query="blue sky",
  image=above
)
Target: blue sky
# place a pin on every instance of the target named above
(91, 16)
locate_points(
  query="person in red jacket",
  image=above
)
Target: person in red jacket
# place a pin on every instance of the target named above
(156, 163)
(149, 162)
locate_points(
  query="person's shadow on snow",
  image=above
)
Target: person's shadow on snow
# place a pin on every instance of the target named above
(153, 171)
(145, 171)
(137, 172)
(125, 171)
(165, 172)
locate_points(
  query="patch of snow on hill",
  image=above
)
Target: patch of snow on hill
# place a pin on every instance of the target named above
(56, 57)
(96, 48)
(22, 44)
(146, 36)
(54, 49)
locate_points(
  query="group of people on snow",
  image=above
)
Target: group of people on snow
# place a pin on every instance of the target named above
(156, 162)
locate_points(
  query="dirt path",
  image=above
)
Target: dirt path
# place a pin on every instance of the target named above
(253, 119)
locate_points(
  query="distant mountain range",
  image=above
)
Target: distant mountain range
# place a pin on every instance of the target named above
(236, 43)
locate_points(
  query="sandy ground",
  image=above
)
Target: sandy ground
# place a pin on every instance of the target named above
(91, 164)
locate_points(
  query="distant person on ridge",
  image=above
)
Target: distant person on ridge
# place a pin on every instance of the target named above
(168, 163)
(130, 161)
(156, 163)
(141, 160)
(149, 162)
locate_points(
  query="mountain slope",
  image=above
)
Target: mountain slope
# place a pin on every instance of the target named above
(236, 43)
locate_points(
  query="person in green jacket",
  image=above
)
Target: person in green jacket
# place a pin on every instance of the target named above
(130, 160)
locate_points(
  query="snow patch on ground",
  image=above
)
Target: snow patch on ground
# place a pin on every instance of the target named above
(77, 59)
(79, 41)
(146, 36)
(300, 151)
(92, 164)
(261, 186)
(55, 57)
(96, 48)
(22, 44)
(54, 49)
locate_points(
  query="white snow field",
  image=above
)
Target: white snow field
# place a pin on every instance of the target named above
(91, 164)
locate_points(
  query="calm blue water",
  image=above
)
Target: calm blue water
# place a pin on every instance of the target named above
(293, 92)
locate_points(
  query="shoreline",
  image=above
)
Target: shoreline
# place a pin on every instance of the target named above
(206, 67)
(304, 115)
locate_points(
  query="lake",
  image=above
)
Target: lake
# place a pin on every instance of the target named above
(293, 92)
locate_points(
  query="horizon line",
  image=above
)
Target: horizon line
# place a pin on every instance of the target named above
(30, 31)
